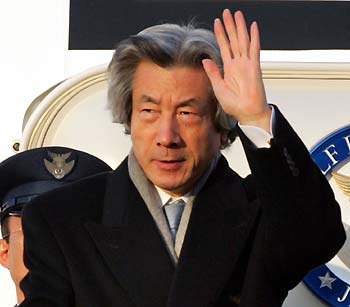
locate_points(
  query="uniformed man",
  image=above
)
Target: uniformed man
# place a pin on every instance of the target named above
(23, 177)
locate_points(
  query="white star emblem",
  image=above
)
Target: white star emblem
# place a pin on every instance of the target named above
(326, 281)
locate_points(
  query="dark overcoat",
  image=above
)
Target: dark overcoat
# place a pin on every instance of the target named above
(248, 240)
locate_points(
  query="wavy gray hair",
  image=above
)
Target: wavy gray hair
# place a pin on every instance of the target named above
(165, 45)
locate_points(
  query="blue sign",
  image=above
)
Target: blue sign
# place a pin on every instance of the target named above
(330, 152)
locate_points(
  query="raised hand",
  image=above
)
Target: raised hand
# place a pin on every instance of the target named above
(240, 91)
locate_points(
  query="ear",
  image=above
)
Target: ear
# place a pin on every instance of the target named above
(4, 251)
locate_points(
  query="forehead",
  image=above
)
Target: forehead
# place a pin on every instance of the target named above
(180, 82)
(14, 222)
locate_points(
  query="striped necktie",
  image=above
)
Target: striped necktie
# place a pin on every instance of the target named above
(173, 211)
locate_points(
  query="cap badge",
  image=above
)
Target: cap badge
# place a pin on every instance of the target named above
(59, 168)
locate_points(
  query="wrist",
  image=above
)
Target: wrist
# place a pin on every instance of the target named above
(261, 119)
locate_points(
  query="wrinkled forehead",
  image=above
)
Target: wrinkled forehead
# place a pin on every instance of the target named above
(183, 83)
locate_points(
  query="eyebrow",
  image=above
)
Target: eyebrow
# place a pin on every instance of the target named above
(191, 101)
(146, 98)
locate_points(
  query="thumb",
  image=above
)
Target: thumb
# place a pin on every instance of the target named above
(213, 72)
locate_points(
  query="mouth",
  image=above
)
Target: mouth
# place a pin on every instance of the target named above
(170, 165)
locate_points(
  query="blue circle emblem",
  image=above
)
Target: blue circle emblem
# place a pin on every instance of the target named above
(331, 281)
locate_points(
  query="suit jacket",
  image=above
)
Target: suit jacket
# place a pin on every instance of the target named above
(247, 243)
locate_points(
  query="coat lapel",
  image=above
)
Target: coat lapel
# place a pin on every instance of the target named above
(221, 220)
(130, 244)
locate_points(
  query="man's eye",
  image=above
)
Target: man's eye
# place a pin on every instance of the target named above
(149, 114)
(185, 113)
(148, 111)
(188, 116)
(188, 112)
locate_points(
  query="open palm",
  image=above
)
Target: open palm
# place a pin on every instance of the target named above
(240, 91)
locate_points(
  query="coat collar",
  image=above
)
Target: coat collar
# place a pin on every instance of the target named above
(135, 253)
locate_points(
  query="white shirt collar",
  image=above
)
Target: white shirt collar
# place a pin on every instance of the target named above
(165, 197)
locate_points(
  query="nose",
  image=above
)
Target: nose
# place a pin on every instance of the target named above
(168, 133)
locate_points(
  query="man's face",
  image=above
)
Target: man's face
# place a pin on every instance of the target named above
(11, 253)
(172, 128)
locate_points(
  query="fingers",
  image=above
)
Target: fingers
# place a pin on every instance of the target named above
(255, 41)
(233, 37)
(242, 33)
(231, 30)
(223, 42)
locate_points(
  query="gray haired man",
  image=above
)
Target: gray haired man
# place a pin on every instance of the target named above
(173, 225)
